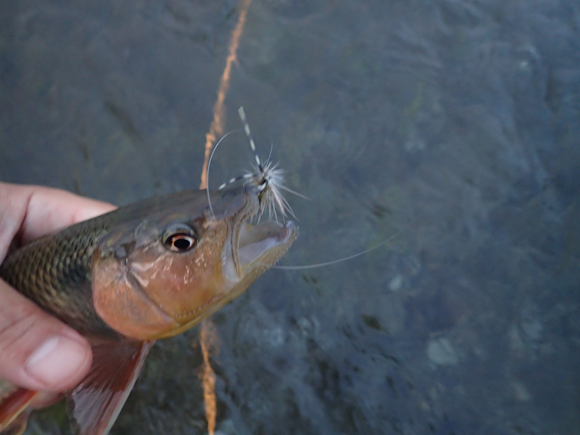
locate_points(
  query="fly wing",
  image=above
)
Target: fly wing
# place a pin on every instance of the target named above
(95, 403)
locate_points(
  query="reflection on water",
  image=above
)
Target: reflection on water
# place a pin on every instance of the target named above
(457, 119)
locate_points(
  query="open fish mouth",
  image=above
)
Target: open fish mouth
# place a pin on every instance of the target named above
(264, 243)
(256, 247)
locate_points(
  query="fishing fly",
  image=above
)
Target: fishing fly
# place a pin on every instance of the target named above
(267, 176)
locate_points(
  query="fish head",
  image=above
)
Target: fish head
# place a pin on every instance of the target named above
(170, 264)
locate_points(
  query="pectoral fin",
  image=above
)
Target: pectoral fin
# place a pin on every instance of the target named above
(14, 409)
(94, 405)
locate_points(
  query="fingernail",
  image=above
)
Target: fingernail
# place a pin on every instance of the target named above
(56, 360)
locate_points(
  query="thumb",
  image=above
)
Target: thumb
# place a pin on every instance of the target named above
(37, 351)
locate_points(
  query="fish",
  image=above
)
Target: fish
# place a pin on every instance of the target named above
(143, 272)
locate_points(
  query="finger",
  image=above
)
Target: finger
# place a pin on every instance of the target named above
(37, 351)
(35, 211)
(53, 209)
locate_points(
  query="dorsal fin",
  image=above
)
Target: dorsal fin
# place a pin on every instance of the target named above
(94, 405)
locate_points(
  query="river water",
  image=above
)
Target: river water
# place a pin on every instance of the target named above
(451, 125)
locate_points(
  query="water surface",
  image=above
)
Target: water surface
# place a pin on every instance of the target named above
(455, 120)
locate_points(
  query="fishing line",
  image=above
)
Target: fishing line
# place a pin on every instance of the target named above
(209, 164)
(340, 260)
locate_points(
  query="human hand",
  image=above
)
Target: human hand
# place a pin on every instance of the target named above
(37, 351)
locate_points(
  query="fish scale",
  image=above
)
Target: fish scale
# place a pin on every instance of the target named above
(54, 271)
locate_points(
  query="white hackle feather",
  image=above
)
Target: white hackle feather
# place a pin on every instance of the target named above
(268, 177)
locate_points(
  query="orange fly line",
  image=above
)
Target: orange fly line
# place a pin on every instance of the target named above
(208, 334)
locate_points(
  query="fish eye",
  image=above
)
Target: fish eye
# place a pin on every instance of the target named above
(179, 238)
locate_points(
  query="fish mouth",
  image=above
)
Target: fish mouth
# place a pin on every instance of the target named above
(256, 248)
(264, 243)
